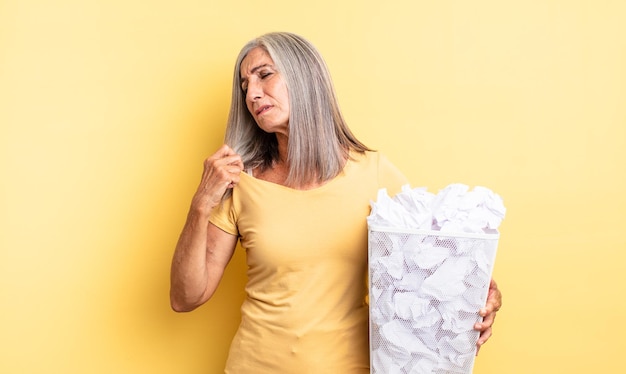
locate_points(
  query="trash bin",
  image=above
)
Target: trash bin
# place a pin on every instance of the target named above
(425, 290)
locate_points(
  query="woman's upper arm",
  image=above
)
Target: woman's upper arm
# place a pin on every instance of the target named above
(220, 249)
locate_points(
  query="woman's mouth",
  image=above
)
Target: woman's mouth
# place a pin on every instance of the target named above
(263, 109)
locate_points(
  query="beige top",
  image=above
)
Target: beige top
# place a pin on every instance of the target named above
(305, 309)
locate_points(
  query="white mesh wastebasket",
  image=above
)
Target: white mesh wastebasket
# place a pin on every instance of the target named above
(426, 288)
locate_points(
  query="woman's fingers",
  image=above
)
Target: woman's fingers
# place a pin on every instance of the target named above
(485, 330)
(494, 300)
(227, 156)
(482, 339)
(494, 303)
(221, 171)
(224, 151)
(486, 323)
(224, 159)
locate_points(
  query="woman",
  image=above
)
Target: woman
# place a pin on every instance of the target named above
(294, 185)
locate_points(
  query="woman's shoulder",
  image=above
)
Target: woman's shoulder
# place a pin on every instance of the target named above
(370, 159)
(377, 164)
(364, 156)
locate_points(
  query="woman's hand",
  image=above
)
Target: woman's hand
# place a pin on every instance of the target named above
(221, 171)
(494, 303)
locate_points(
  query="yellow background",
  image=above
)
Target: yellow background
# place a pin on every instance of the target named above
(108, 108)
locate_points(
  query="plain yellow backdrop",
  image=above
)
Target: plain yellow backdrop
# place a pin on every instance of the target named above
(108, 108)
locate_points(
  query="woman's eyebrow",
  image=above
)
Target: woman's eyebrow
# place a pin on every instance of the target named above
(254, 69)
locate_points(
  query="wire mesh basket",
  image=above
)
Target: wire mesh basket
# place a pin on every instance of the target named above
(425, 290)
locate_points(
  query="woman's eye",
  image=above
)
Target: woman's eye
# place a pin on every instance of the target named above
(265, 74)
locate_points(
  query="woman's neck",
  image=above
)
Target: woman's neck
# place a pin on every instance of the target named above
(279, 170)
(283, 149)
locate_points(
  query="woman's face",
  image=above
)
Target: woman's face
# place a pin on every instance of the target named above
(266, 93)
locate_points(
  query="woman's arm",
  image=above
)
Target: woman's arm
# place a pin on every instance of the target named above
(203, 250)
(200, 259)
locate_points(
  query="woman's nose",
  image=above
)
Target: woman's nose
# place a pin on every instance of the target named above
(254, 91)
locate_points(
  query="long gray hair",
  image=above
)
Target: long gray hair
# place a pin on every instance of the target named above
(319, 139)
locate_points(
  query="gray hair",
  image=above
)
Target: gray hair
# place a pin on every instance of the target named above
(319, 139)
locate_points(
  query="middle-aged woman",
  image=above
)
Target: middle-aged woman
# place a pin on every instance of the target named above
(293, 184)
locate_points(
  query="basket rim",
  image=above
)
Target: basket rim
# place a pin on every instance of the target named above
(401, 230)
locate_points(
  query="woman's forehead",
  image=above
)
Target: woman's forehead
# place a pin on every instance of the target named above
(254, 60)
